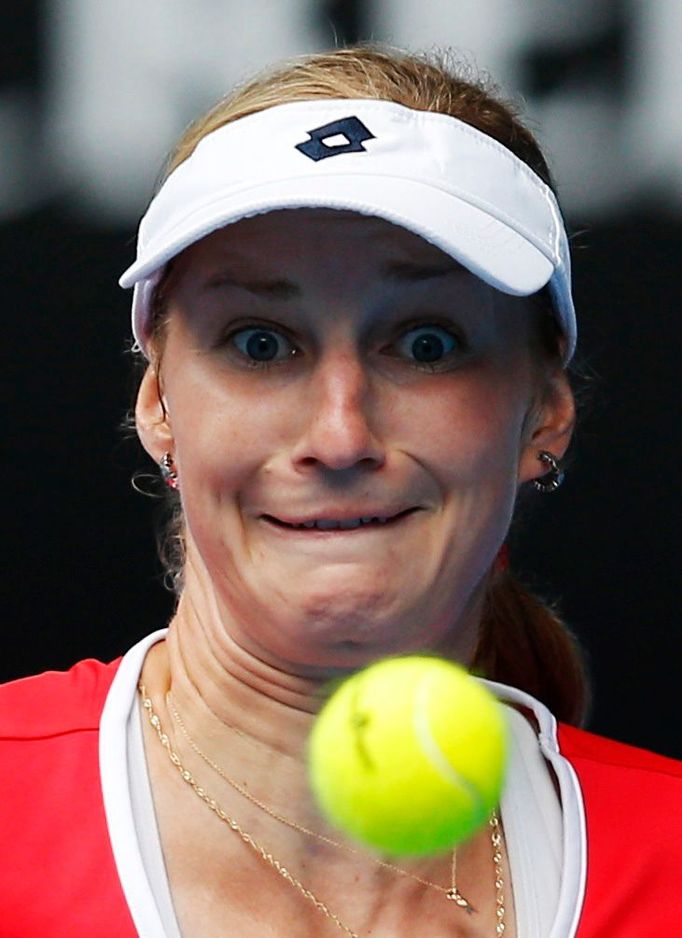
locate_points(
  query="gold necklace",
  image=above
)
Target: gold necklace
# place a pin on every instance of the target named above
(451, 893)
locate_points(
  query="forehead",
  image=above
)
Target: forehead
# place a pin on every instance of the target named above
(326, 234)
(359, 266)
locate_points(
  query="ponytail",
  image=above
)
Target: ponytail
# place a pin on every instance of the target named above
(525, 644)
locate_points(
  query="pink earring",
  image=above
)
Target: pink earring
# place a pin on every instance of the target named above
(169, 473)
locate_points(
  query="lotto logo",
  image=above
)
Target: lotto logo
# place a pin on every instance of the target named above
(343, 136)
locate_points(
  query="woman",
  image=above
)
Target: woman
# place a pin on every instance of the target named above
(353, 295)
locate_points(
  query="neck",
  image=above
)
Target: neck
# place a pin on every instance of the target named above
(248, 718)
(249, 709)
(224, 690)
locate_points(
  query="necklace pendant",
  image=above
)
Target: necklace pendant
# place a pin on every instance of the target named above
(456, 896)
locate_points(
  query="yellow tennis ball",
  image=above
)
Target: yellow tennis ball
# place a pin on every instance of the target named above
(407, 756)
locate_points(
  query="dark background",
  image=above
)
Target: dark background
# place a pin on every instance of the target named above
(79, 571)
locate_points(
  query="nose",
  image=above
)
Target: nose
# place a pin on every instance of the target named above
(337, 433)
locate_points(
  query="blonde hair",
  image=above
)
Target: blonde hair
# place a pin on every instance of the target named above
(523, 642)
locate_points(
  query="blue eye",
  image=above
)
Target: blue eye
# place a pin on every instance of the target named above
(427, 344)
(263, 346)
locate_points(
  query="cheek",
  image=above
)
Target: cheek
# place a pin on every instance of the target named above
(221, 436)
(465, 430)
(470, 443)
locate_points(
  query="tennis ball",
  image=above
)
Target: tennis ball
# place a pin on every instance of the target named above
(407, 756)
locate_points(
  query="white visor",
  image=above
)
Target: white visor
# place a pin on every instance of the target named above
(429, 173)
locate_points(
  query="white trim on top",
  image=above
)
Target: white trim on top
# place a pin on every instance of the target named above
(574, 866)
(118, 805)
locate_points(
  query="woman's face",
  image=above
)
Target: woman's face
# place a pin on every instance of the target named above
(350, 413)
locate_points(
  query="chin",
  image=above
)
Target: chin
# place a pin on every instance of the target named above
(350, 609)
(372, 619)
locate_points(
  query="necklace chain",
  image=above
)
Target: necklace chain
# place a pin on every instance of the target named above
(452, 893)
(496, 837)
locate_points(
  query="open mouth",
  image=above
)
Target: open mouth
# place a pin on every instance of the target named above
(346, 524)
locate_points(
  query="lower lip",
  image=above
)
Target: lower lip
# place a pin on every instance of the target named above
(318, 533)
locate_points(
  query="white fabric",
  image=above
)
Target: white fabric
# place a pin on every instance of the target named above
(545, 840)
(533, 829)
(430, 173)
(116, 792)
(144, 819)
(574, 853)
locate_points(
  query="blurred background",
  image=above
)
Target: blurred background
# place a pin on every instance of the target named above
(92, 96)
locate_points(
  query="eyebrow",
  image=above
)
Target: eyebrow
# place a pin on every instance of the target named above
(273, 289)
(396, 271)
(411, 272)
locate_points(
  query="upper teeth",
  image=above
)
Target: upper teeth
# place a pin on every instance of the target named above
(325, 524)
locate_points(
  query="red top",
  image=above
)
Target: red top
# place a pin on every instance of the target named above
(58, 878)
(633, 808)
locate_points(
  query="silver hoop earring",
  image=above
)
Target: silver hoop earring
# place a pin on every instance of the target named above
(169, 473)
(551, 480)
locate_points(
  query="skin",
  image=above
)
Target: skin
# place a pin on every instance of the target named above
(343, 423)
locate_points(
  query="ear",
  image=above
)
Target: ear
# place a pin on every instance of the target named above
(151, 416)
(549, 426)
